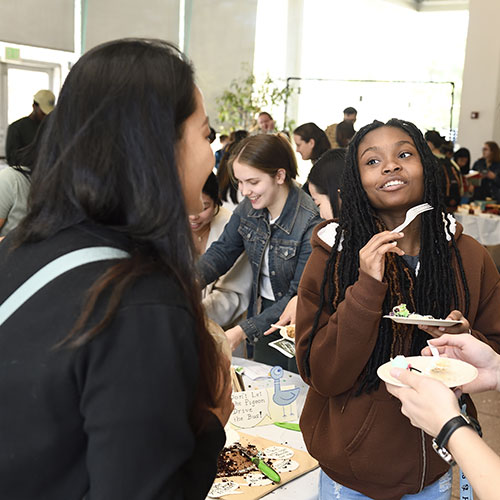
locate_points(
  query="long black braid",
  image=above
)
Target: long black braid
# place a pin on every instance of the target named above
(435, 291)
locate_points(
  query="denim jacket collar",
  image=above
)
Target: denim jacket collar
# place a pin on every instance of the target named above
(286, 220)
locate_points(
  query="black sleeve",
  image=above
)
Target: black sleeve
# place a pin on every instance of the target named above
(200, 471)
(137, 382)
(12, 144)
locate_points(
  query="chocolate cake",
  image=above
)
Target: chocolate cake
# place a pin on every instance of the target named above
(232, 462)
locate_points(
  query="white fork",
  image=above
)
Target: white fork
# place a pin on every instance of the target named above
(411, 214)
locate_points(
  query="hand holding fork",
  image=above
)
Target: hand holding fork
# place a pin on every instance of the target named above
(372, 255)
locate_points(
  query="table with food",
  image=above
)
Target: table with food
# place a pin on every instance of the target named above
(266, 461)
(481, 220)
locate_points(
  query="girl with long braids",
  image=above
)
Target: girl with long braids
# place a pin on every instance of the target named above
(358, 271)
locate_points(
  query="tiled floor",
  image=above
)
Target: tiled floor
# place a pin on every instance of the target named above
(488, 407)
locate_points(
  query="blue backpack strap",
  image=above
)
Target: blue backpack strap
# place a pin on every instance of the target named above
(54, 269)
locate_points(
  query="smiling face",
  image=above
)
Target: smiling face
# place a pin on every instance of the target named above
(305, 148)
(200, 221)
(322, 201)
(262, 189)
(195, 158)
(390, 169)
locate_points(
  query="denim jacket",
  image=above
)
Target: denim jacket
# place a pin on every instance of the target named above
(289, 248)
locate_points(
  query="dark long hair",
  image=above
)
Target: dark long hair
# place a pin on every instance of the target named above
(309, 131)
(211, 188)
(463, 153)
(108, 157)
(434, 292)
(326, 176)
(344, 133)
(227, 187)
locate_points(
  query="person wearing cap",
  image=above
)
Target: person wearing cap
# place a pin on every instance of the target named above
(22, 132)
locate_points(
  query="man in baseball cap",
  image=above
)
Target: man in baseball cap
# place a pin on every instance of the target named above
(22, 132)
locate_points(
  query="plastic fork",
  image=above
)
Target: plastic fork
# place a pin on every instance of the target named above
(411, 214)
(434, 350)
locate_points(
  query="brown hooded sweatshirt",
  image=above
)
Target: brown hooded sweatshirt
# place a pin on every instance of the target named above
(364, 442)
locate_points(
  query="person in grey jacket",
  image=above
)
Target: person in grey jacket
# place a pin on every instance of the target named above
(273, 226)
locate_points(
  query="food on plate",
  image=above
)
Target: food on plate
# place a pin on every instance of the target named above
(401, 311)
(232, 462)
(290, 331)
(439, 369)
(399, 362)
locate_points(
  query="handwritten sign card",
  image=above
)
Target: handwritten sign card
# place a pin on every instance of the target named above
(253, 408)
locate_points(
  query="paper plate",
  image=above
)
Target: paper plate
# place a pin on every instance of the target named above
(452, 372)
(423, 321)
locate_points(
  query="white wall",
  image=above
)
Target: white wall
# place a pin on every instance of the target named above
(46, 24)
(481, 77)
(111, 19)
(219, 34)
(221, 37)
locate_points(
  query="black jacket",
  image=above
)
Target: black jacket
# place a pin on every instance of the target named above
(110, 419)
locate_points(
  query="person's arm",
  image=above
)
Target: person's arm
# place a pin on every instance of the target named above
(137, 383)
(493, 174)
(230, 295)
(471, 350)
(221, 254)
(429, 404)
(479, 463)
(12, 144)
(344, 340)
(7, 193)
(255, 327)
(287, 316)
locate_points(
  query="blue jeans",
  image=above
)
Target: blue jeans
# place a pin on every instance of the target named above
(330, 490)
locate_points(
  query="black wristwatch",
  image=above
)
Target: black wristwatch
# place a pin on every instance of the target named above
(441, 440)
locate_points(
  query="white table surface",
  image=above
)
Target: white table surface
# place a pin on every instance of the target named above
(485, 228)
(304, 487)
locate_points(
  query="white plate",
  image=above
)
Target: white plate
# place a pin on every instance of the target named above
(455, 374)
(423, 321)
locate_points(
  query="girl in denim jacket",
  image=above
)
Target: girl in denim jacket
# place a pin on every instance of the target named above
(273, 225)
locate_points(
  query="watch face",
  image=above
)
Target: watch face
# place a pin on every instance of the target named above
(443, 453)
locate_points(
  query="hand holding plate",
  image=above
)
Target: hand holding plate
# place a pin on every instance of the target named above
(471, 350)
(462, 327)
(428, 403)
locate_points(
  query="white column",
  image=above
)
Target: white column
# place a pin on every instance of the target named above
(220, 36)
(111, 19)
(481, 78)
(293, 65)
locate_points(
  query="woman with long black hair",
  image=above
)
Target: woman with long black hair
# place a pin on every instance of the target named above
(110, 385)
(358, 271)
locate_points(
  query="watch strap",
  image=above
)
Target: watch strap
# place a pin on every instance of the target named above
(441, 440)
(449, 428)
